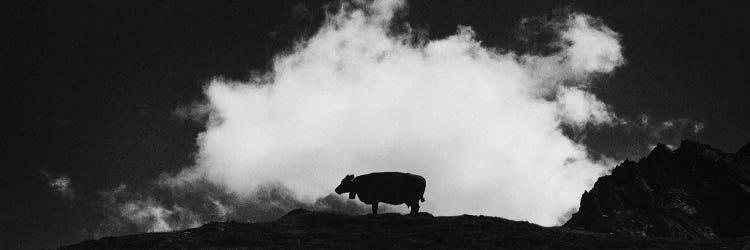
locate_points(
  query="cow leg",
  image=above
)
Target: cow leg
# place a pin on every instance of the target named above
(375, 207)
(415, 208)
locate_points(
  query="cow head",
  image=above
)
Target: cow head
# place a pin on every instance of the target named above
(346, 185)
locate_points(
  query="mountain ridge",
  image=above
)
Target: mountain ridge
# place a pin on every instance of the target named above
(693, 192)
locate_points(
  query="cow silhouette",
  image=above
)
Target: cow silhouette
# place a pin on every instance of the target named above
(388, 187)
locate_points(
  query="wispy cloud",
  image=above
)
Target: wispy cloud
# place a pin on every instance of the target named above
(154, 217)
(163, 206)
(670, 132)
(129, 211)
(60, 184)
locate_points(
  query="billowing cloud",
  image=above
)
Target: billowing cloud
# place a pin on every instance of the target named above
(481, 124)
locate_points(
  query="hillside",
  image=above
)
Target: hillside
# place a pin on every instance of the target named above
(317, 230)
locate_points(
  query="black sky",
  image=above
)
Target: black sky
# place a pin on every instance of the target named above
(91, 87)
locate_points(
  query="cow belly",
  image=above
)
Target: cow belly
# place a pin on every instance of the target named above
(398, 198)
(394, 202)
(393, 199)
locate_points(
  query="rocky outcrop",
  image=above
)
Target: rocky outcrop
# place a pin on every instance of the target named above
(745, 150)
(693, 192)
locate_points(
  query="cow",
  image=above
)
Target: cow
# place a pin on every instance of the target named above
(388, 187)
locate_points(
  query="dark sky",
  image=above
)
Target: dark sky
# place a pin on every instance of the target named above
(91, 87)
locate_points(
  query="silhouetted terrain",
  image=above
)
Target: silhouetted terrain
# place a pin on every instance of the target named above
(319, 230)
(693, 192)
(695, 197)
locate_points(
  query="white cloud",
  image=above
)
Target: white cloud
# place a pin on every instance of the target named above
(594, 48)
(578, 107)
(482, 126)
(586, 48)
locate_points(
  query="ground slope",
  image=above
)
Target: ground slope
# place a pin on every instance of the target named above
(320, 230)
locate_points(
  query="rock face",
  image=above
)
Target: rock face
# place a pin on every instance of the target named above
(694, 192)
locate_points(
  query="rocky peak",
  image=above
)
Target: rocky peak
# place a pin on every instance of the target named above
(660, 149)
(744, 150)
(694, 147)
(692, 150)
(693, 192)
